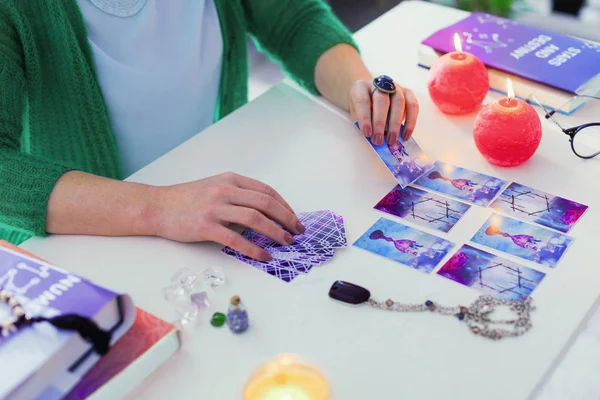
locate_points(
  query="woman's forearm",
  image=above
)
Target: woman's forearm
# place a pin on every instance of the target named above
(87, 204)
(337, 70)
(197, 211)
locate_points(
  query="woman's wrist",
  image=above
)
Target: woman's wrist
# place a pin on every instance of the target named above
(149, 215)
(335, 82)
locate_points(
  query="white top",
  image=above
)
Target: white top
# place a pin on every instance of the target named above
(159, 66)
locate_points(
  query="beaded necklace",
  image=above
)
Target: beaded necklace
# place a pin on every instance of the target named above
(87, 329)
(476, 316)
(18, 313)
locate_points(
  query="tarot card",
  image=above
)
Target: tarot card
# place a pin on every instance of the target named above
(406, 245)
(523, 240)
(280, 269)
(322, 231)
(533, 205)
(423, 208)
(316, 257)
(341, 225)
(463, 184)
(405, 159)
(322, 226)
(490, 274)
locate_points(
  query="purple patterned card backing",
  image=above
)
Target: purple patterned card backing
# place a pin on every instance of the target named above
(322, 231)
(285, 275)
(325, 231)
(301, 255)
(341, 226)
(312, 259)
(289, 263)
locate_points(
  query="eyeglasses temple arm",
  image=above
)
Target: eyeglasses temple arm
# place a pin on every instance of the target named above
(550, 114)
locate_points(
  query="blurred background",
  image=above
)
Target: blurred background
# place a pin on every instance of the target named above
(575, 17)
(579, 18)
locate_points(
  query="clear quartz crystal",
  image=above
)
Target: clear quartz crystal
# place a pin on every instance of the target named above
(185, 277)
(187, 313)
(175, 293)
(214, 277)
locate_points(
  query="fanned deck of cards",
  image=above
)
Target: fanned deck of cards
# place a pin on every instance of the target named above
(325, 231)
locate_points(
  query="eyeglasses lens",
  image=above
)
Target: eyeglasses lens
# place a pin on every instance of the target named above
(587, 141)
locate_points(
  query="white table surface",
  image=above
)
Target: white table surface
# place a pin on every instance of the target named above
(317, 160)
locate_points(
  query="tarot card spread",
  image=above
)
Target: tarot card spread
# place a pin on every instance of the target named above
(460, 183)
(523, 240)
(423, 208)
(405, 159)
(325, 231)
(406, 245)
(490, 274)
(540, 207)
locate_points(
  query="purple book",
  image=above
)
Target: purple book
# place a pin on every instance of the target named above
(54, 360)
(550, 58)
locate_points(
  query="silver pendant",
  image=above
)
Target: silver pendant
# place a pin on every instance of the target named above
(479, 317)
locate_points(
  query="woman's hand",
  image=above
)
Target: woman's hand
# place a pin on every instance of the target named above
(202, 211)
(374, 112)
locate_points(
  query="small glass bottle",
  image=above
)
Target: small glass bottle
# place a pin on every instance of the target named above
(237, 316)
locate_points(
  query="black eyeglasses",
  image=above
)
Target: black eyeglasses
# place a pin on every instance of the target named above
(585, 139)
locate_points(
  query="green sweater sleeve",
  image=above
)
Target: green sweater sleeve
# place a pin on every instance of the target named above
(25, 181)
(295, 33)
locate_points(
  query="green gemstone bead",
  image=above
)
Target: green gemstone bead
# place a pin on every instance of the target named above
(218, 319)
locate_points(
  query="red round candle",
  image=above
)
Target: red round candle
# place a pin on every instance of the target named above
(507, 132)
(458, 83)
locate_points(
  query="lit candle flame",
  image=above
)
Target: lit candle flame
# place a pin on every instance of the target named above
(287, 397)
(457, 43)
(509, 89)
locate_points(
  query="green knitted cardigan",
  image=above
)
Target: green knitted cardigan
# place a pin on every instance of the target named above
(53, 117)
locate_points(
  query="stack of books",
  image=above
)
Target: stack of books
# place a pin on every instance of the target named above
(43, 362)
(147, 345)
(553, 67)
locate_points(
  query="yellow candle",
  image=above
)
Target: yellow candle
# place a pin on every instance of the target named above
(287, 379)
(285, 393)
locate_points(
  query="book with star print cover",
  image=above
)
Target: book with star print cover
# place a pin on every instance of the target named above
(46, 290)
(529, 55)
